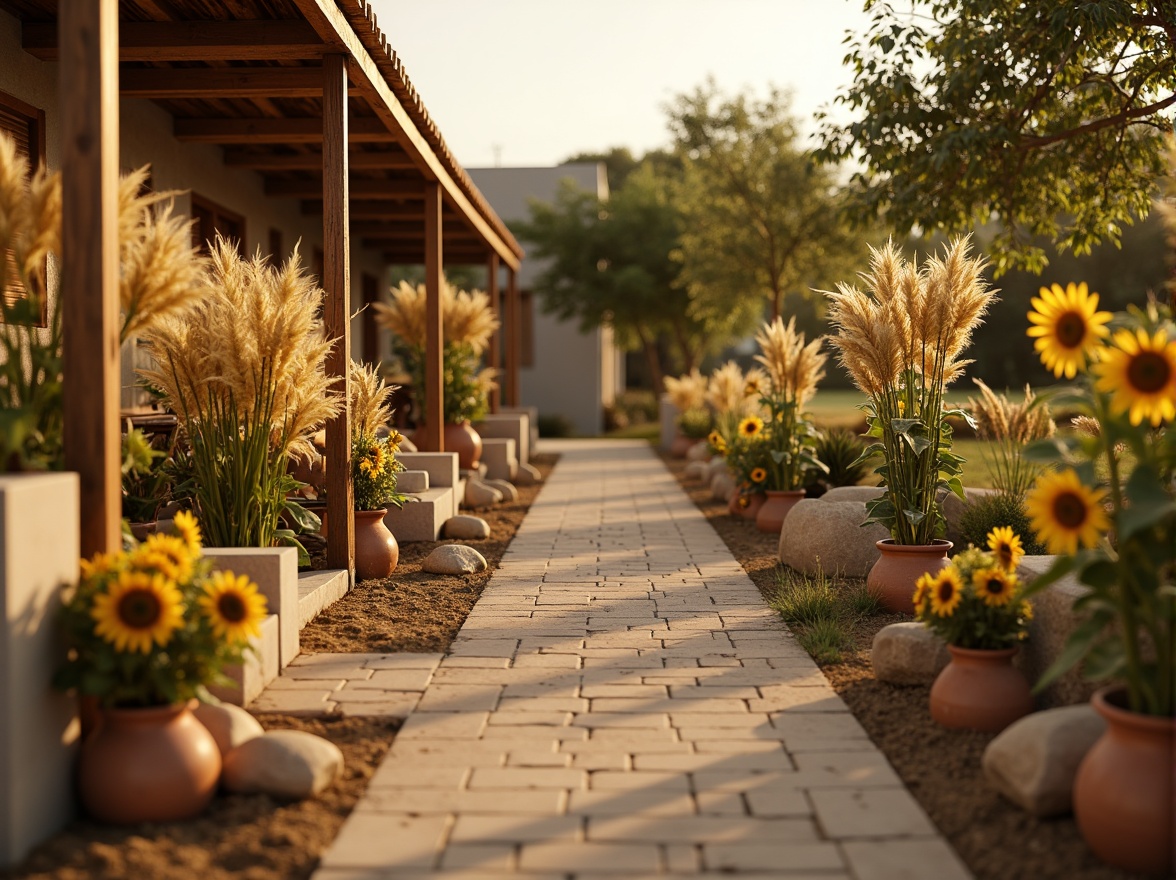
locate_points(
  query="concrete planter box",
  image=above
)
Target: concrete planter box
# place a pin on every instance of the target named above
(39, 549)
(514, 426)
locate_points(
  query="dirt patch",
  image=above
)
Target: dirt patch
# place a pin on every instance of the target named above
(239, 836)
(940, 767)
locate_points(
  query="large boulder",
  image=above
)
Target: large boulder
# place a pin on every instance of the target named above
(229, 725)
(717, 465)
(466, 528)
(528, 475)
(828, 535)
(698, 452)
(852, 493)
(1034, 760)
(454, 559)
(289, 764)
(696, 471)
(478, 494)
(908, 653)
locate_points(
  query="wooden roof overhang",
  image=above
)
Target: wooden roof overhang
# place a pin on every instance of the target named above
(247, 75)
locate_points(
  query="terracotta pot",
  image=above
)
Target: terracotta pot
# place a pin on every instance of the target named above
(755, 501)
(980, 690)
(680, 446)
(141, 531)
(1125, 790)
(376, 550)
(892, 579)
(148, 765)
(459, 437)
(771, 515)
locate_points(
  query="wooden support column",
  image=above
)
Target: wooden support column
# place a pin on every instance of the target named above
(88, 88)
(494, 350)
(434, 391)
(514, 337)
(336, 283)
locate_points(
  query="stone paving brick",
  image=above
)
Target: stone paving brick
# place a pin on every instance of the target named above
(730, 858)
(371, 840)
(396, 680)
(527, 777)
(460, 698)
(293, 702)
(928, 859)
(516, 802)
(612, 803)
(516, 829)
(869, 812)
(396, 706)
(700, 829)
(610, 859)
(484, 857)
(395, 775)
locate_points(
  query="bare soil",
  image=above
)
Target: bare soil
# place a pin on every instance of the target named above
(997, 840)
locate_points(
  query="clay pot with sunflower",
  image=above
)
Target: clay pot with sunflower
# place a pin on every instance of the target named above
(148, 628)
(748, 457)
(373, 474)
(975, 605)
(1108, 513)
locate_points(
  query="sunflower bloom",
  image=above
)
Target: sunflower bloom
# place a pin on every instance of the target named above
(1026, 610)
(751, 426)
(922, 594)
(140, 609)
(1139, 372)
(189, 530)
(946, 592)
(715, 439)
(101, 564)
(234, 607)
(166, 554)
(1067, 327)
(995, 586)
(758, 475)
(1065, 513)
(1005, 544)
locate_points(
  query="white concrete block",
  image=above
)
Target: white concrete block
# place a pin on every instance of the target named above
(422, 519)
(259, 667)
(39, 537)
(411, 482)
(318, 590)
(512, 425)
(532, 414)
(499, 457)
(442, 466)
(667, 416)
(275, 571)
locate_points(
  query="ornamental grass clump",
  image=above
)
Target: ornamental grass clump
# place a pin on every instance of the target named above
(154, 625)
(374, 465)
(976, 601)
(467, 325)
(245, 371)
(902, 340)
(793, 371)
(1009, 426)
(1109, 509)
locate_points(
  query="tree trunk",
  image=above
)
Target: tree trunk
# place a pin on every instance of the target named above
(649, 346)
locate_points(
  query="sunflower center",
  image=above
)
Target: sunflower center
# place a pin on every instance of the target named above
(946, 590)
(994, 586)
(1070, 330)
(231, 607)
(1069, 510)
(139, 609)
(1149, 371)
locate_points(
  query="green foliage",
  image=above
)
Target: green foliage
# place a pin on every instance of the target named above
(822, 611)
(863, 602)
(840, 450)
(1047, 116)
(696, 423)
(999, 509)
(463, 382)
(555, 425)
(758, 217)
(825, 640)
(146, 483)
(953, 604)
(805, 600)
(30, 386)
(373, 471)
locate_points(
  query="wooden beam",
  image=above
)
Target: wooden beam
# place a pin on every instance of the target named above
(361, 190)
(258, 161)
(373, 210)
(332, 25)
(194, 41)
(337, 311)
(514, 337)
(366, 130)
(450, 257)
(434, 341)
(222, 82)
(494, 349)
(88, 89)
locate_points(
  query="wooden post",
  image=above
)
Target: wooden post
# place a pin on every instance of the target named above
(514, 337)
(434, 342)
(336, 282)
(88, 90)
(494, 350)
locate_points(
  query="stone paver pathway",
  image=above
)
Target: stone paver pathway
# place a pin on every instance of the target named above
(621, 703)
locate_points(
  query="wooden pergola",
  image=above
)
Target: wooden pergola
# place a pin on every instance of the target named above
(308, 94)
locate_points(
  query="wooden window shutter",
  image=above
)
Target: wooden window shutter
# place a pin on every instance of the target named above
(25, 125)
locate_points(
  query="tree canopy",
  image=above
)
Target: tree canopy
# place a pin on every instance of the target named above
(1047, 117)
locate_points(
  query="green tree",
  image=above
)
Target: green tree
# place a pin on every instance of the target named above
(1045, 116)
(610, 264)
(759, 217)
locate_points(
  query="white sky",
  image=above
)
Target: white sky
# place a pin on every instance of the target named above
(541, 80)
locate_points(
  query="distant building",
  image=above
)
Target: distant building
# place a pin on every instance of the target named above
(564, 372)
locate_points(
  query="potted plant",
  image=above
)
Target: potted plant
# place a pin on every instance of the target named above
(902, 340)
(748, 458)
(793, 371)
(249, 393)
(468, 322)
(688, 394)
(975, 605)
(1109, 513)
(148, 629)
(373, 473)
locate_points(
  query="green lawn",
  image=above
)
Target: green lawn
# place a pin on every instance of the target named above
(839, 408)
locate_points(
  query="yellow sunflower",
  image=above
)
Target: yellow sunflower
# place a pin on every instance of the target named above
(1065, 513)
(101, 564)
(922, 594)
(1006, 546)
(995, 586)
(758, 475)
(166, 554)
(715, 439)
(946, 592)
(751, 426)
(233, 606)
(753, 387)
(1139, 373)
(189, 530)
(1067, 327)
(138, 610)
(377, 457)
(1026, 610)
